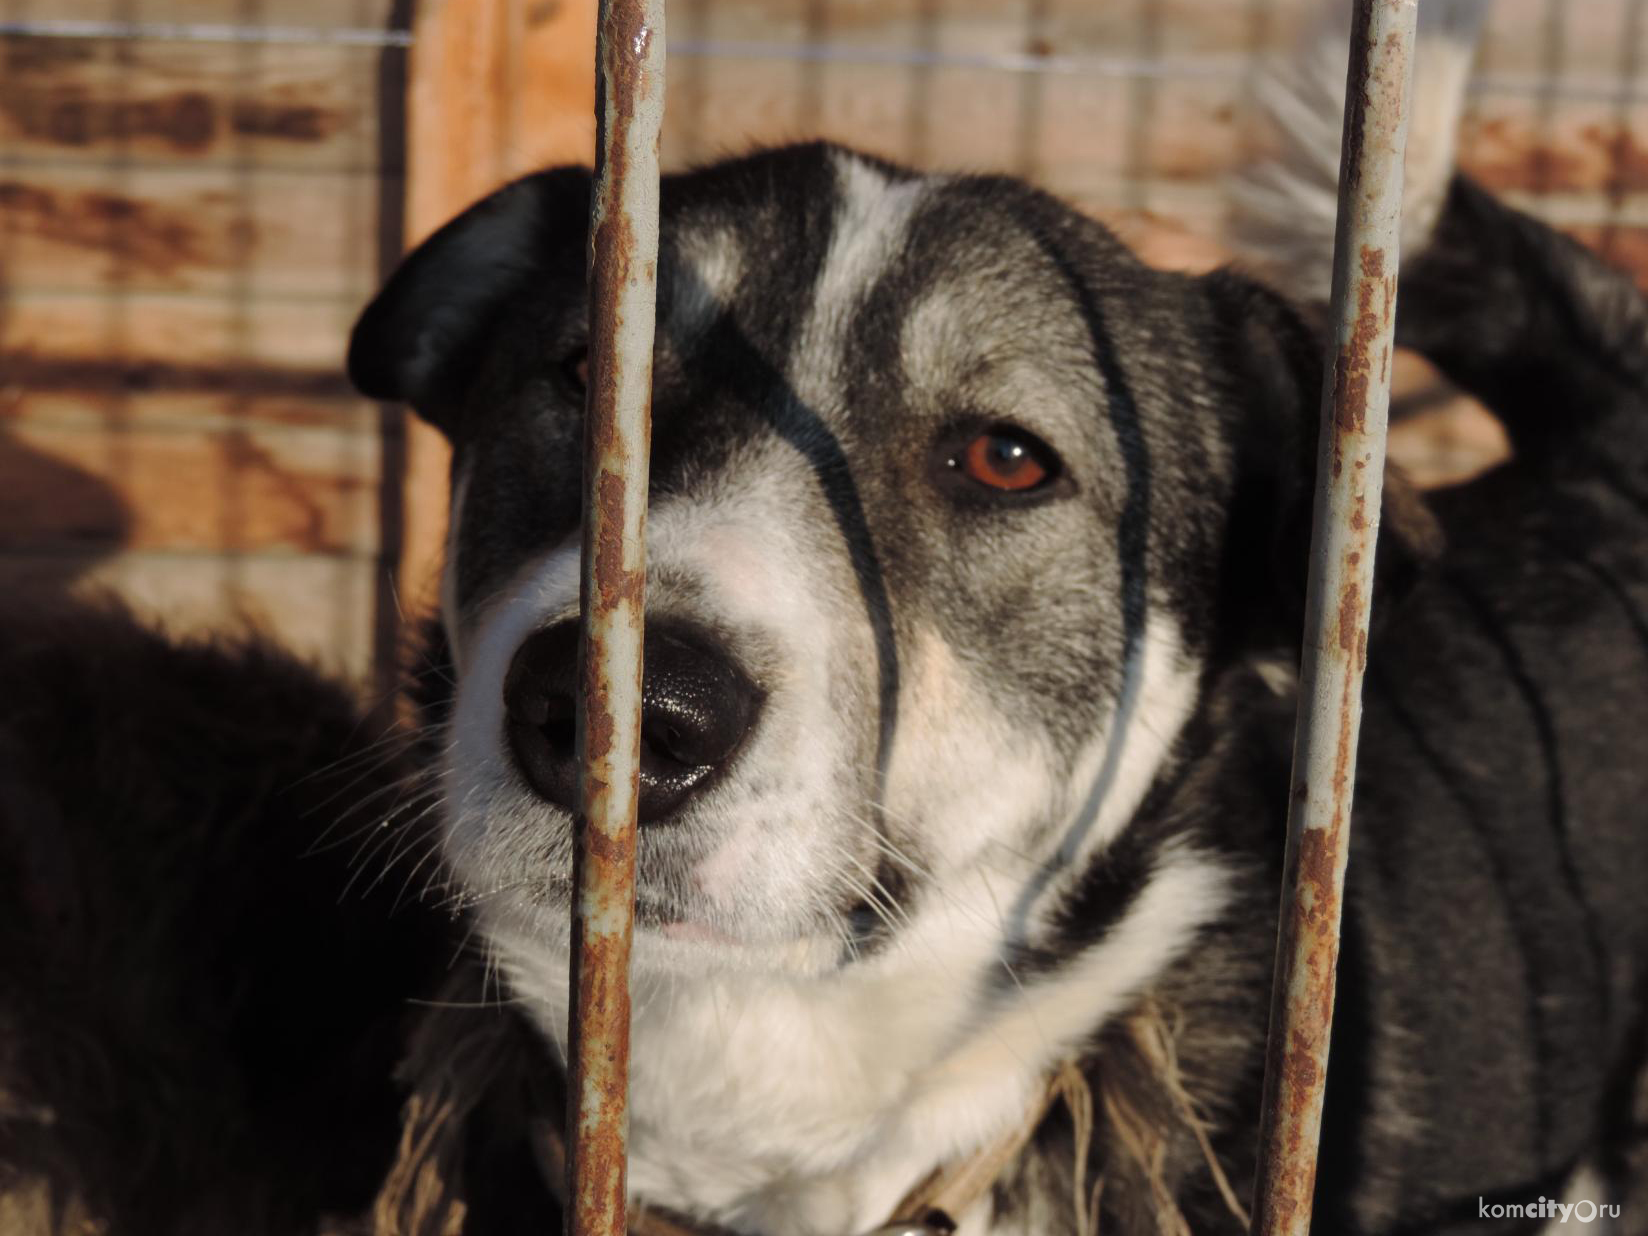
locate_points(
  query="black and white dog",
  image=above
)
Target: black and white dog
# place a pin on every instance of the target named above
(976, 554)
(974, 548)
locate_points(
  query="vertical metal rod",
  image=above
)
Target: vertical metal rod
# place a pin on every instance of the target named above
(623, 266)
(1349, 480)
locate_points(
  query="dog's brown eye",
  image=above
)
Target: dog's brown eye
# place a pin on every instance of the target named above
(1005, 460)
(577, 369)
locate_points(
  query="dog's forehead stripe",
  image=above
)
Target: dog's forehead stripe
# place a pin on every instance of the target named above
(871, 221)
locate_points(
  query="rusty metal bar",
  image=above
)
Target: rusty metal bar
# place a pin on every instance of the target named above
(1349, 479)
(623, 264)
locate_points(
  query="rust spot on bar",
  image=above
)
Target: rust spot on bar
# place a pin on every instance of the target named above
(1354, 365)
(1350, 616)
(611, 849)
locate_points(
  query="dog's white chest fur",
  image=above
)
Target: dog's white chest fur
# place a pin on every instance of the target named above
(785, 1105)
(780, 1111)
(809, 1106)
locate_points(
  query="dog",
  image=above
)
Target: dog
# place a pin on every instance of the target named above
(975, 554)
(975, 571)
(207, 965)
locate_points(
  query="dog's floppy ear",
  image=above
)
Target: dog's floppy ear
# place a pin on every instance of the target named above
(1273, 362)
(420, 340)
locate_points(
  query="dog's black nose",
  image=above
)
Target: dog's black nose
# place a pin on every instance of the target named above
(696, 708)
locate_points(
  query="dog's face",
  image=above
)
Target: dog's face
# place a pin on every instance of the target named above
(948, 521)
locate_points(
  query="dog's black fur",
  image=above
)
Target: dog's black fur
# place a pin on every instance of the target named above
(199, 1033)
(1497, 922)
(202, 999)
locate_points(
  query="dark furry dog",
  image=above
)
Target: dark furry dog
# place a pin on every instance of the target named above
(200, 1016)
(975, 557)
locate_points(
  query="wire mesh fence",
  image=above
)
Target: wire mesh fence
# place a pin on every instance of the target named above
(187, 225)
(196, 196)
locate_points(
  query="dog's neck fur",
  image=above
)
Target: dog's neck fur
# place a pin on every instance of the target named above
(789, 1105)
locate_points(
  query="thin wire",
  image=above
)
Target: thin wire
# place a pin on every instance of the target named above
(1165, 68)
(203, 32)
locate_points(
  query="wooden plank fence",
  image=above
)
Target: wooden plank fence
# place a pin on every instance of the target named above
(188, 225)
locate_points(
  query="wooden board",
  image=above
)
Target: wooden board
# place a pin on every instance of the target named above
(237, 488)
(321, 606)
(170, 102)
(188, 227)
(186, 231)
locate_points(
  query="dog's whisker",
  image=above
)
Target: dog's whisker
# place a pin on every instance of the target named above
(403, 834)
(872, 894)
(362, 776)
(397, 741)
(372, 833)
(436, 884)
(884, 894)
(466, 898)
(464, 1005)
(397, 737)
(415, 796)
(1000, 924)
(433, 850)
